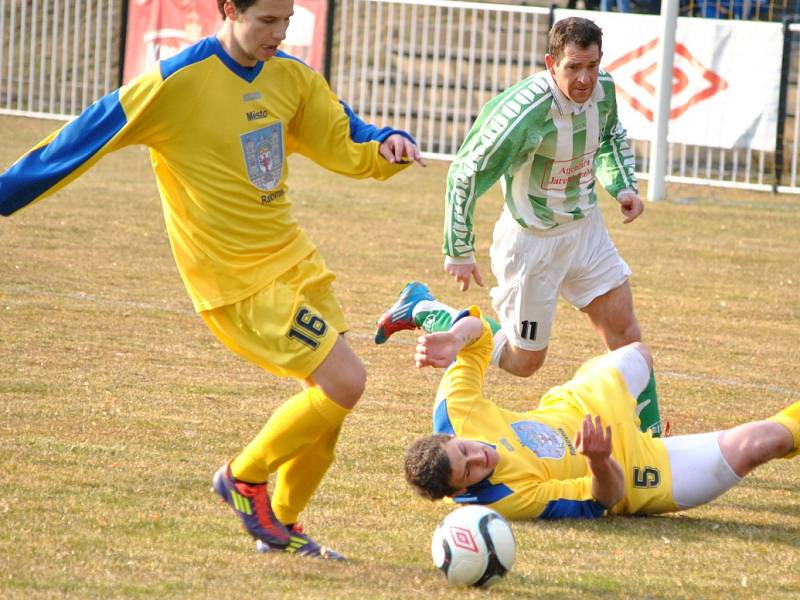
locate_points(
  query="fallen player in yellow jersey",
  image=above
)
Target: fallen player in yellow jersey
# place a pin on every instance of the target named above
(580, 453)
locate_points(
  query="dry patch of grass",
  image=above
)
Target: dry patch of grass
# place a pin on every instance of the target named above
(116, 404)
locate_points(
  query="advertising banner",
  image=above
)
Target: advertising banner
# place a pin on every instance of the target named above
(158, 29)
(725, 78)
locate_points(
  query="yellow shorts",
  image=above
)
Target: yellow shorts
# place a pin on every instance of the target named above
(289, 326)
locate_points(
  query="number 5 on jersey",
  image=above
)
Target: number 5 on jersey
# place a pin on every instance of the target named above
(307, 328)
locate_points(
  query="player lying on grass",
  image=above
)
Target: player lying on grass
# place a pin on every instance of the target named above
(580, 452)
(221, 118)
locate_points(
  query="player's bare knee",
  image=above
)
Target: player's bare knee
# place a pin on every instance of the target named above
(754, 451)
(765, 445)
(355, 384)
(750, 445)
(346, 386)
(633, 333)
(522, 363)
(628, 334)
(527, 369)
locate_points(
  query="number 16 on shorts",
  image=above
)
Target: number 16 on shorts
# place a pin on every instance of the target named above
(307, 328)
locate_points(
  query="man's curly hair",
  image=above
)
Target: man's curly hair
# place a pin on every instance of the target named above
(428, 467)
(573, 30)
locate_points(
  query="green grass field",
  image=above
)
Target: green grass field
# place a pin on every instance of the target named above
(118, 405)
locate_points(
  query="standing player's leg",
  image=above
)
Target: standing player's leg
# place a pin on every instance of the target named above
(291, 329)
(598, 285)
(611, 315)
(529, 269)
(299, 477)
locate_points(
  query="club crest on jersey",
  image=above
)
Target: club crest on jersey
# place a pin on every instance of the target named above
(541, 439)
(263, 155)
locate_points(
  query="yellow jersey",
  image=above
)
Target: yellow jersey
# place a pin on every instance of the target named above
(540, 474)
(219, 134)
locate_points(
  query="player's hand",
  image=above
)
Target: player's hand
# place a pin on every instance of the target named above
(398, 149)
(462, 274)
(592, 441)
(437, 349)
(630, 205)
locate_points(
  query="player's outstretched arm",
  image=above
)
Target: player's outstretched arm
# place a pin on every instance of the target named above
(608, 481)
(440, 349)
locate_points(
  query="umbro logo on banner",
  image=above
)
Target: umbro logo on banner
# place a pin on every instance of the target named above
(691, 81)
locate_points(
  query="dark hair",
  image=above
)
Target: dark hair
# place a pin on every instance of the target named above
(241, 5)
(573, 30)
(428, 467)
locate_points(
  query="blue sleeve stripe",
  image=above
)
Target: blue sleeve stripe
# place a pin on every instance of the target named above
(441, 420)
(79, 140)
(484, 492)
(361, 132)
(206, 47)
(282, 54)
(572, 509)
(200, 51)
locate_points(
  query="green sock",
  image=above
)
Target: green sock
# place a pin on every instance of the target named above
(433, 316)
(647, 407)
(493, 325)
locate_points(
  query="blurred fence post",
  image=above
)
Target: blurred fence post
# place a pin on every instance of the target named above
(656, 187)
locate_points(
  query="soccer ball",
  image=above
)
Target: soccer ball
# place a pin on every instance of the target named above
(473, 545)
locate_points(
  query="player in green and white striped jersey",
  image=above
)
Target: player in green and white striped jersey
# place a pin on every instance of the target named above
(546, 139)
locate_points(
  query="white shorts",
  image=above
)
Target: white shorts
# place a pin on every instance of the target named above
(699, 471)
(578, 261)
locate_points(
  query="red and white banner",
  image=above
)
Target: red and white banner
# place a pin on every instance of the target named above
(158, 29)
(305, 38)
(725, 85)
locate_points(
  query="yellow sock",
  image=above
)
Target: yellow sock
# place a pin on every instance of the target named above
(296, 424)
(299, 478)
(790, 418)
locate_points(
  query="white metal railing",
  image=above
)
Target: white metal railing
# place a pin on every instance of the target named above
(428, 66)
(57, 56)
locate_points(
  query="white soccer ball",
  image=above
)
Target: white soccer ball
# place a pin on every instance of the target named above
(474, 545)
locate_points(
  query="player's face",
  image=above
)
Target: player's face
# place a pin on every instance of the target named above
(259, 30)
(576, 73)
(470, 461)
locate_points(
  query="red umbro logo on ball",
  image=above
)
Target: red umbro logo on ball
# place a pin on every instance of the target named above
(463, 538)
(691, 81)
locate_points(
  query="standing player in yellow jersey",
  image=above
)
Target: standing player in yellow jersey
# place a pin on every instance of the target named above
(220, 118)
(580, 453)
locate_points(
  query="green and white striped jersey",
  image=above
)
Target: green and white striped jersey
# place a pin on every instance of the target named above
(546, 150)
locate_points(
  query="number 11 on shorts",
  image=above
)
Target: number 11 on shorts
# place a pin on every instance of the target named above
(307, 328)
(528, 329)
